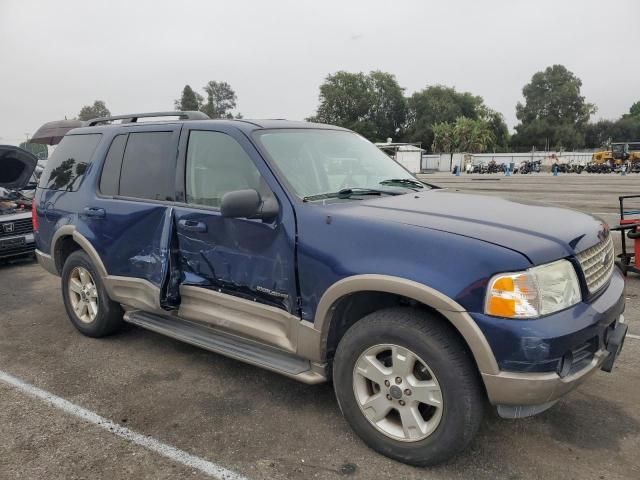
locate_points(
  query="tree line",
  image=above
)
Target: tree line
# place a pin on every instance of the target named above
(554, 114)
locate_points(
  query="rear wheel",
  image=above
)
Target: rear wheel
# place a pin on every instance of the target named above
(86, 301)
(408, 386)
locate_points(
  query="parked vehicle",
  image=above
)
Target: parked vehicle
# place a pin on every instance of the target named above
(531, 166)
(304, 249)
(18, 177)
(575, 168)
(493, 167)
(599, 168)
(617, 153)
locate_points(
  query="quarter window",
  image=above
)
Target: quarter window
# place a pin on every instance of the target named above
(69, 162)
(217, 164)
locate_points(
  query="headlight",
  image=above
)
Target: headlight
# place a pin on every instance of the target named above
(538, 291)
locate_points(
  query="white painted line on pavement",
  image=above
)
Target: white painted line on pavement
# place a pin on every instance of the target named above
(631, 335)
(172, 453)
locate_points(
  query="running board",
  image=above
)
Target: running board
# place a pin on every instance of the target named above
(229, 345)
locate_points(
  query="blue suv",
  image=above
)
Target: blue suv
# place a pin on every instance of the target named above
(303, 249)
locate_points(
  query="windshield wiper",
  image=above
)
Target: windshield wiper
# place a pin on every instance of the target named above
(404, 182)
(348, 193)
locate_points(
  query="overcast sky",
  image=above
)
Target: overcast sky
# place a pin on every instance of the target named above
(137, 55)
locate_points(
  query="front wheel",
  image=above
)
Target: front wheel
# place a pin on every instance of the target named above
(408, 386)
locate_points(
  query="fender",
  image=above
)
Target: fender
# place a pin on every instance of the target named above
(444, 305)
(70, 230)
(49, 261)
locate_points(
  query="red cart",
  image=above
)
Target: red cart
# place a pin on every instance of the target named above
(629, 227)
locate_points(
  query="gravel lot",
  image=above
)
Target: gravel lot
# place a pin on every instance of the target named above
(262, 425)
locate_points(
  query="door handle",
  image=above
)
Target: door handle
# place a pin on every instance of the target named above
(193, 225)
(95, 212)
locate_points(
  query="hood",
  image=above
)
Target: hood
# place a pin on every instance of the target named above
(16, 167)
(542, 233)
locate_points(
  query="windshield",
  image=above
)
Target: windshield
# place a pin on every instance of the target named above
(318, 162)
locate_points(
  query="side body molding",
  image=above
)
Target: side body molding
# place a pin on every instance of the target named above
(444, 305)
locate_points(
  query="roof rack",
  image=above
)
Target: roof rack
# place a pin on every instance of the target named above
(133, 117)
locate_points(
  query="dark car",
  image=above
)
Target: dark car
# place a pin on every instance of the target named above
(18, 176)
(305, 250)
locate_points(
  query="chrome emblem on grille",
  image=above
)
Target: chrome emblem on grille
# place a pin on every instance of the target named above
(7, 227)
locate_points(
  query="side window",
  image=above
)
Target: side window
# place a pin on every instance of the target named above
(148, 167)
(217, 164)
(69, 161)
(110, 178)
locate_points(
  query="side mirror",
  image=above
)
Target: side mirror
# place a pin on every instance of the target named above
(247, 204)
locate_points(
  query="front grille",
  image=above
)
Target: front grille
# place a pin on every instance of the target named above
(597, 263)
(16, 227)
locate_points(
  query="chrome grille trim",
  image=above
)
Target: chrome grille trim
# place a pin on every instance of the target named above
(597, 264)
(19, 227)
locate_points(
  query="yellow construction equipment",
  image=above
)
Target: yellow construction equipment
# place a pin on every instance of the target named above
(618, 153)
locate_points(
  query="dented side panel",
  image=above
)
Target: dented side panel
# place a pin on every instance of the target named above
(134, 248)
(246, 258)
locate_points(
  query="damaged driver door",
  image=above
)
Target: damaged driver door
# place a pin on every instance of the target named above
(238, 274)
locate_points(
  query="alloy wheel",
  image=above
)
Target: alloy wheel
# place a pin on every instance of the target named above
(397, 392)
(83, 294)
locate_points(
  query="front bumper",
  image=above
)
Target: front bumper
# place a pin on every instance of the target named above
(542, 352)
(531, 393)
(16, 245)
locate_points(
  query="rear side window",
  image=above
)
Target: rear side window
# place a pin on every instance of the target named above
(148, 167)
(68, 163)
(110, 178)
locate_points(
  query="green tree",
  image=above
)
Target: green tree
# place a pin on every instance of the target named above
(371, 104)
(438, 104)
(554, 114)
(443, 138)
(97, 110)
(598, 134)
(634, 111)
(189, 101)
(472, 136)
(38, 149)
(624, 129)
(464, 135)
(500, 140)
(220, 100)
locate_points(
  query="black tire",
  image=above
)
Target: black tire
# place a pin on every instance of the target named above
(108, 319)
(439, 346)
